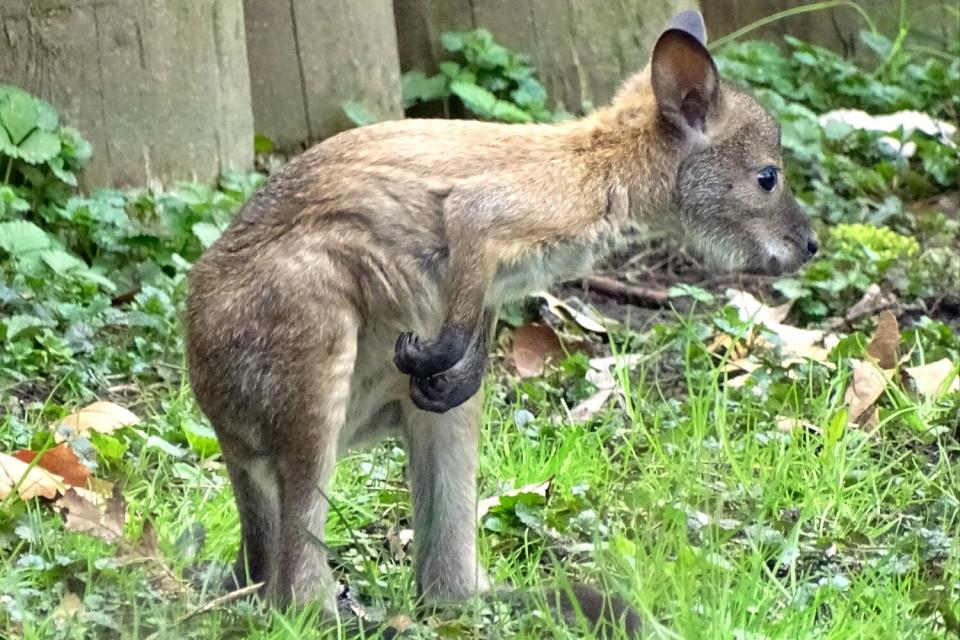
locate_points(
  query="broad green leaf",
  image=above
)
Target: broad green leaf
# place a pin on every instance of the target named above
(880, 44)
(40, 146)
(18, 114)
(75, 146)
(66, 176)
(20, 238)
(206, 233)
(683, 289)
(792, 288)
(530, 94)
(262, 144)
(493, 57)
(6, 144)
(46, 115)
(452, 41)
(358, 113)
(172, 450)
(450, 69)
(201, 438)
(62, 263)
(476, 99)
(108, 447)
(19, 323)
(417, 87)
(509, 112)
(11, 201)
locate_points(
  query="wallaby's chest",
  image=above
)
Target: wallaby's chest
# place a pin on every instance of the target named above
(542, 268)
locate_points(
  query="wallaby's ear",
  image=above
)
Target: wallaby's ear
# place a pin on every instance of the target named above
(692, 22)
(685, 79)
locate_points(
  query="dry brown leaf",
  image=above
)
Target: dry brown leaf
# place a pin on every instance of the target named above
(600, 373)
(399, 542)
(104, 521)
(540, 489)
(720, 341)
(102, 417)
(399, 623)
(588, 320)
(873, 300)
(70, 607)
(60, 460)
(751, 308)
(929, 379)
(796, 342)
(99, 487)
(786, 425)
(146, 551)
(865, 388)
(589, 407)
(534, 345)
(35, 482)
(742, 364)
(885, 346)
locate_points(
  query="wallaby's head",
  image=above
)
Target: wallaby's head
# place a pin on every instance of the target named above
(730, 191)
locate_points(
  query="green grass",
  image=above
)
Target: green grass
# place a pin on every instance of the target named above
(682, 496)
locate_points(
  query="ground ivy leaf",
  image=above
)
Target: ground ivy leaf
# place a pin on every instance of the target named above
(475, 98)
(40, 146)
(17, 324)
(206, 233)
(18, 113)
(201, 438)
(358, 113)
(20, 238)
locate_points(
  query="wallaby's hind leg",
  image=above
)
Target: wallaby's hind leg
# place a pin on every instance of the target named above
(256, 488)
(443, 472)
(306, 456)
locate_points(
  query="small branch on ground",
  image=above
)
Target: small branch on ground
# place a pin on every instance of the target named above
(213, 604)
(649, 297)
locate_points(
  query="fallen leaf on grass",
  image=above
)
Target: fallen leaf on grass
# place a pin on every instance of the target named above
(399, 542)
(102, 417)
(70, 607)
(865, 388)
(83, 515)
(789, 425)
(32, 482)
(751, 308)
(885, 346)
(398, 623)
(601, 374)
(588, 319)
(589, 407)
(146, 551)
(534, 345)
(61, 461)
(540, 489)
(929, 379)
(873, 300)
(806, 344)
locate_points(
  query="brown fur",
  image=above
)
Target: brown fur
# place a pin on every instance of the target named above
(427, 226)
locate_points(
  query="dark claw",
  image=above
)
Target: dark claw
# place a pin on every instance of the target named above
(426, 398)
(443, 392)
(428, 357)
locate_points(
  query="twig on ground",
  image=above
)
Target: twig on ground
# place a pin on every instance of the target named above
(213, 604)
(651, 297)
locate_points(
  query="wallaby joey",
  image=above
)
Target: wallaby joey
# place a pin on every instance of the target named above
(353, 297)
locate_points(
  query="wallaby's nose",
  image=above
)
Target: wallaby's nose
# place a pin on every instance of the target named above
(812, 247)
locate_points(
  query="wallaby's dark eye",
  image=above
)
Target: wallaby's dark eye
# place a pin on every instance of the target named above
(767, 178)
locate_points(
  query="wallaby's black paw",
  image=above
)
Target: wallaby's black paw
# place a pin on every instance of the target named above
(422, 358)
(442, 392)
